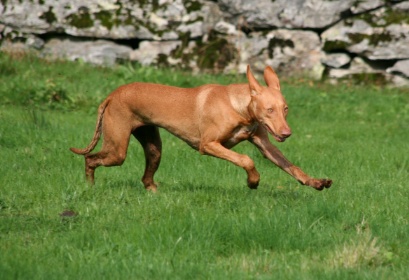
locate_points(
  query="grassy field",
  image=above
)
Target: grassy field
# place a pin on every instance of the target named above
(204, 223)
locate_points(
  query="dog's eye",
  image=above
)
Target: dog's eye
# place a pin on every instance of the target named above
(270, 110)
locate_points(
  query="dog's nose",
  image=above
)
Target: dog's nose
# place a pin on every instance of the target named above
(286, 133)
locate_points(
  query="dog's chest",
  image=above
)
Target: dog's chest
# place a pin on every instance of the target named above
(241, 133)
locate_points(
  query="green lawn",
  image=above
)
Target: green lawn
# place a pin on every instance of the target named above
(204, 223)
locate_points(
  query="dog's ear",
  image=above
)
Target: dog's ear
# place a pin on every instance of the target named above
(271, 78)
(255, 87)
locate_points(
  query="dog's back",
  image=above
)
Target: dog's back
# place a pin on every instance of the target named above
(178, 110)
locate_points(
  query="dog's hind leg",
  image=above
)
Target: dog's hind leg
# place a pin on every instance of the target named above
(116, 136)
(151, 142)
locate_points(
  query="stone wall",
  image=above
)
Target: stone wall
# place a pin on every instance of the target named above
(318, 38)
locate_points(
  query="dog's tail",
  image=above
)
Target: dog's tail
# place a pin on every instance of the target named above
(97, 133)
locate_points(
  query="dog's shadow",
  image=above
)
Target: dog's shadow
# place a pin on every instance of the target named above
(291, 192)
(162, 186)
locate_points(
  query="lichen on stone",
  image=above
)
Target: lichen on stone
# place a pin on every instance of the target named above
(395, 17)
(373, 40)
(192, 6)
(335, 45)
(278, 42)
(154, 4)
(384, 17)
(215, 53)
(82, 19)
(49, 16)
(105, 18)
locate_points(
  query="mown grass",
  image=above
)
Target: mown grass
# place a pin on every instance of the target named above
(204, 223)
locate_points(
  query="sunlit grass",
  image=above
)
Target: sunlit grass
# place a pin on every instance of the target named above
(204, 223)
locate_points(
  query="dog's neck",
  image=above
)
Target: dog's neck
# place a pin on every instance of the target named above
(240, 100)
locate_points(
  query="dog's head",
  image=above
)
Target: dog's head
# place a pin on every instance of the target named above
(268, 105)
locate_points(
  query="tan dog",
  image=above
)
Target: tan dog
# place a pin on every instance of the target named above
(209, 118)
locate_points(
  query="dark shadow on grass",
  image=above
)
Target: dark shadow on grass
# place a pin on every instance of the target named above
(289, 192)
(168, 186)
(171, 186)
(194, 187)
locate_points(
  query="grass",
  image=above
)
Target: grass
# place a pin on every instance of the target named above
(204, 223)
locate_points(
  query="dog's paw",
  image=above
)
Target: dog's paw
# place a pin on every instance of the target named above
(319, 184)
(252, 185)
(253, 179)
(151, 188)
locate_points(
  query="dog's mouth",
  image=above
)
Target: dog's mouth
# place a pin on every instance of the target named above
(276, 137)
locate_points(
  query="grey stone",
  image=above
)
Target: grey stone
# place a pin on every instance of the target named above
(375, 39)
(251, 50)
(293, 51)
(362, 6)
(287, 13)
(358, 66)
(34, 42)
(28, 43)
(399, 81)
(402, 6)
(287, 51)
(400, 67)
(100, 52)
(336, 60)
(148, 51)
(225, 28)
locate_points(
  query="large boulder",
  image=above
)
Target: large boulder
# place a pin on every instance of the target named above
(100, 52)
(336, 60)
(379, 35)
(290, 52)
(151, 52)
(358, 66)
(317, 14)
(401, 67)
(295, 52)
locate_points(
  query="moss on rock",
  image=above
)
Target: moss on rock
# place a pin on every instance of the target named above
(278, 42)
(212, 54)
(387, 17)
(49, 16)
(105, 18)
(335, 45)
(395, 17)
(373, 40)
(192, 6)
(215, 53)
(82, 19)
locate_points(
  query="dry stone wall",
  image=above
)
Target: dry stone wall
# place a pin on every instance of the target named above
(318, 38)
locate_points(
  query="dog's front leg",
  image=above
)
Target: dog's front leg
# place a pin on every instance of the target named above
(260, 139)
(216, 149)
